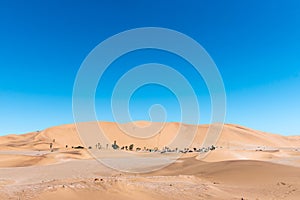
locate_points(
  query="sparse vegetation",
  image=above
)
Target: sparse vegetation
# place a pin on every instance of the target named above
(131, 147)
(78, 147)
(98, 145)
(115, 146)
(165, 149)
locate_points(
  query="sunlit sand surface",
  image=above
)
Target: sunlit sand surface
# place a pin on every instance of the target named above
(246, 164)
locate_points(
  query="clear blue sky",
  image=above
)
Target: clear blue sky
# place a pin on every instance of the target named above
(255, 44)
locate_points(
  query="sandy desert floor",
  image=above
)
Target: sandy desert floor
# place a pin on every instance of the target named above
(246, 164)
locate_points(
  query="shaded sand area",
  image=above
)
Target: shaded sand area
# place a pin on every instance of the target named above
(246, 164)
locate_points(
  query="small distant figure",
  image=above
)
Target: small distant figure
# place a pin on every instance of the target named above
(53, 140)
(51, 145)
(138, 149)
(66, 146)
(115, 146)
(98, 146)
(131, 147)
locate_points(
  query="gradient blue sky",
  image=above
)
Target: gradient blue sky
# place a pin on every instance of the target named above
(255, 44)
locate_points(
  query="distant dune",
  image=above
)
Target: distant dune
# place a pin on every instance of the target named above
(231, 135)
(246, 164)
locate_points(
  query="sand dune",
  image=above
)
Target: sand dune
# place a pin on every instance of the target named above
(232, 135)
(247, 164)
(235, 142)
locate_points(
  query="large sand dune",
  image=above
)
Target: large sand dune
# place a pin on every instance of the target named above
(247, 164)
(231, 135)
